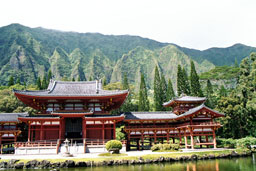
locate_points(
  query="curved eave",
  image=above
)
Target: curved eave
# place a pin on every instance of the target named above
(116, 118)
(171, 103)
(26, 119)
(204, 108)
(71, 114)
(142, 120)
(50, 96)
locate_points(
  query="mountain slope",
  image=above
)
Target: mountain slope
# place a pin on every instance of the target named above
(27, 53)
(221, 56)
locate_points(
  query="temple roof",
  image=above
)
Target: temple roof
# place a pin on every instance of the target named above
(185, 99)
(198, 108)
(11, 117)
(149, 115)
(76, 88)
(168, 115)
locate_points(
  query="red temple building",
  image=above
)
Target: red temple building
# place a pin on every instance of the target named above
(77, 110)
(190, 118)
(81, 111)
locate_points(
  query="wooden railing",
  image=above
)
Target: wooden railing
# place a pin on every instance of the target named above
(57, 143)
(36, 144)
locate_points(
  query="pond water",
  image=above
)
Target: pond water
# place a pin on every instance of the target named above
(234, 164)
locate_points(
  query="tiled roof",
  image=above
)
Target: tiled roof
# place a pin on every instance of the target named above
(195, 109)
(164, 115)
(76, 88)
(11, 117)
(149, 115)
(185, 99)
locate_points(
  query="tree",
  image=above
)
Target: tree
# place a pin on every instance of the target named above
(194, 82)
(38, 83)
(143, 96)
(180, 80)
(44, 84)
(11, 81)
(104, 81)
(163, 91)
(185, 82)
(157, 91)
(170, 92)
(73, 79)
(18, 81)
(49, 77)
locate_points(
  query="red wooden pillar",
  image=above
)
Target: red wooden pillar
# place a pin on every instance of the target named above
(84, 128)
(114, 130)
(41, 131)
(60, 126)
(63, 128)
(214, 139)
(103, 131)
(154, 136)
(29, 127)
(186, 141)
(192, 138)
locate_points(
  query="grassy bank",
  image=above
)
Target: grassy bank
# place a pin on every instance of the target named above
(144, 157)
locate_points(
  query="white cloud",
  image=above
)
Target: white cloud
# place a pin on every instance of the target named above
(197, 24)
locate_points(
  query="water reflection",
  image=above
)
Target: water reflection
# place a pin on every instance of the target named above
(235, 164)
(209, 166)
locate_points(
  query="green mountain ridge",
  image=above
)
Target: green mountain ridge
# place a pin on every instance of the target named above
(27, 53)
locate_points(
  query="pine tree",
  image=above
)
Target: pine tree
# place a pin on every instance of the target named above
(180, 80)
(44, 84)
(170, 92)
(143, 96)
(49, 77)
(73, 79)
(11, 81)
(125, 84)
(185, 83)
(194, 82)
(90, 79)
(157, 91)
(163, 91)
(104, 81)
(38, 83)
(78, 78)
(18, 81)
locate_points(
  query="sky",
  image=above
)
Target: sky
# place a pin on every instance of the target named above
(198, 24)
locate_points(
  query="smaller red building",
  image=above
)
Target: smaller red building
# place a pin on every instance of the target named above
(190, 118)
(9, 128)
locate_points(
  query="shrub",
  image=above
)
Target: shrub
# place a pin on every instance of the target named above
(229, 143)
(156, 147)
(175, 146)
(246, 142)
(113, 145)
(165, 147)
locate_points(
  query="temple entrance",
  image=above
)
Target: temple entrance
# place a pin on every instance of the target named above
(73, 128)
